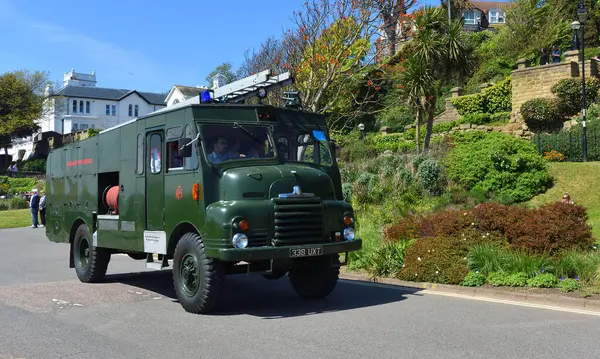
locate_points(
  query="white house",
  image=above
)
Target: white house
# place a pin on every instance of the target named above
(181, 93)
(80, 105)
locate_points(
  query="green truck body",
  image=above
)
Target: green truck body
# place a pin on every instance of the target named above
(152, 189)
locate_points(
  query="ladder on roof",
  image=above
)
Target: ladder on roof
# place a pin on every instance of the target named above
(247, 87)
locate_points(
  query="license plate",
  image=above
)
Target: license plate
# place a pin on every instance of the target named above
(306, 252)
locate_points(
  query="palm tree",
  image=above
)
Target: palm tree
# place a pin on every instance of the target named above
(437, 52)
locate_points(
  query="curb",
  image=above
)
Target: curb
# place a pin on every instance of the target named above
(591, 305)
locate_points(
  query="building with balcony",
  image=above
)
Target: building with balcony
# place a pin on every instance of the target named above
(80, 105)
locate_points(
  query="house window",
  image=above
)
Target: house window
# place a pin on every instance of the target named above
(140, 154)
(80, 106)
(87, 106)
(107, 110)
(130, 110)
(136, 111)
(470, 17)
(74, 106)
(114, 110)
(74, 127)
(496, 16)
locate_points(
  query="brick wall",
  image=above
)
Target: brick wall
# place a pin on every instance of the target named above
(536, 82)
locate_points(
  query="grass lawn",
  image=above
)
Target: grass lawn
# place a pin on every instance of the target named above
(582, 181)
(15, 218)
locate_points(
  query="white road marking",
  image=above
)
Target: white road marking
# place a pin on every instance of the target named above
(483, 299)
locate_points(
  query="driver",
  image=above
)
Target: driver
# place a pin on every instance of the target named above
(220, 151)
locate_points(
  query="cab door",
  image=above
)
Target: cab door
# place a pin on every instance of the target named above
(155, 148)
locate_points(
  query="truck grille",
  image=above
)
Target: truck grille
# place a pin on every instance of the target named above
(257, 237)
(297, 221)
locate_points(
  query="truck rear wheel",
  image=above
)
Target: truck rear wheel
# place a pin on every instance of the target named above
(196, 278)
(90, 262)
(315, 277)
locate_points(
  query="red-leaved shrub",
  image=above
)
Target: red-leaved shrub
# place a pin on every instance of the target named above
(547, 230)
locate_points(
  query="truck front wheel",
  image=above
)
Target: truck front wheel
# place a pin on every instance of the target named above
(90, 262)
(315, 277)
(196, 278)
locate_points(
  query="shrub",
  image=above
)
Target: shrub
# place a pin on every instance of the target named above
(498, 163)
(497, 279)
(476, 118)
(543, 280)
(541, 114)
(473, 279)
(568, 93)
(554, 156)
(431, 177)
(4, 189)
(388, 259)
(3, 206)
(435, 259)
(499, 96)
(37, 165)
(569, 285)
(18, 203)
(548, 230)
(470, 104)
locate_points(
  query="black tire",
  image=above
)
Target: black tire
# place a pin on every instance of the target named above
(315, 277)
(198, 294)
(90, 262)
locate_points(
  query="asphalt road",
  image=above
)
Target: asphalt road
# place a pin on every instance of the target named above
(45, 312)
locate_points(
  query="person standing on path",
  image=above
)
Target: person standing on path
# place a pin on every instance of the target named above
(34, 205)
(43, 209)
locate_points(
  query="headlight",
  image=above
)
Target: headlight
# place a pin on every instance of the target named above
(349, 233)
(239, 240)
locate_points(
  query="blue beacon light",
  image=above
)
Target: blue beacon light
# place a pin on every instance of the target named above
(205, 96)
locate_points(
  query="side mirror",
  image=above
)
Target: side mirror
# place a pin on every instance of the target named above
(185, 148)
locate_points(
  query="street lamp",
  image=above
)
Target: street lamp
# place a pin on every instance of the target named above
(582, 16)
(361, 128)
(575, 26)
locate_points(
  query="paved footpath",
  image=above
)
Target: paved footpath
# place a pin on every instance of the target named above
(45, 312)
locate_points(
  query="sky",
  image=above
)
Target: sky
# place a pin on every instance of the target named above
(133, 44)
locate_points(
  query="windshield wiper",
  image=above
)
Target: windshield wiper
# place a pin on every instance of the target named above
(237, 125)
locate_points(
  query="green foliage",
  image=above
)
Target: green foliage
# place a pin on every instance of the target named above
(568, 93)
(431, 177)
(91, 132)
(486, 118)
(473, 279)
(37, 165)
(499, 96)
(21, 103)
(395, 142)
(17, 185)
(470, 104)
(388, 259)
(496, 98)
(569, 285)
(396, 117)
(543, 280)
(497, 163)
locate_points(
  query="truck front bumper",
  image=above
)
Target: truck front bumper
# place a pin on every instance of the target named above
(284, 252)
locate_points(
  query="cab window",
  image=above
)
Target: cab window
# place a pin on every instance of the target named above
(236, 143)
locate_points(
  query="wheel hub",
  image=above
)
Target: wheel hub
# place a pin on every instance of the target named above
(189, 274)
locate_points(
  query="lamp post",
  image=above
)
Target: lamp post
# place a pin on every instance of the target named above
(361, 128)
(576, 25)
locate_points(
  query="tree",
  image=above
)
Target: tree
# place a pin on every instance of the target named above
(391, 12)
(334, 68)
(439, 50)
(223, 69)
(21, 104)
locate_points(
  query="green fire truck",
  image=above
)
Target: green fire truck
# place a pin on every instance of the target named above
(207, 187)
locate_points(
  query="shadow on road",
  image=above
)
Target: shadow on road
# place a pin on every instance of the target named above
(254, 295)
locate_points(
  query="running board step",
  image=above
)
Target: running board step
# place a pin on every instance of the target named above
(159, 265)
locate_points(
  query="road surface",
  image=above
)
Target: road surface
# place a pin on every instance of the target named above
(45, 312)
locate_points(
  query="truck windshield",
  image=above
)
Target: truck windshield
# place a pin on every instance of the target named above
(236, 142)
(302, 144)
